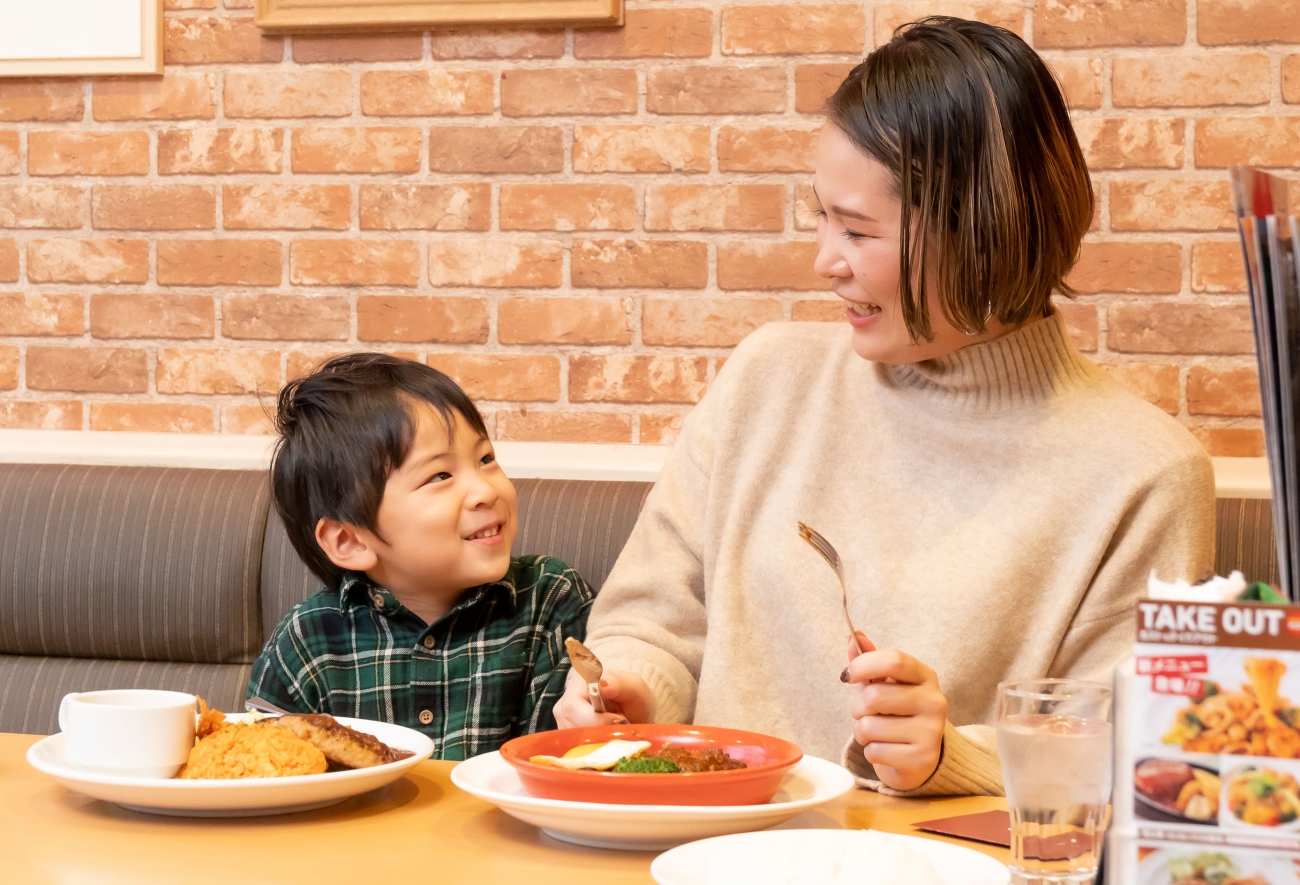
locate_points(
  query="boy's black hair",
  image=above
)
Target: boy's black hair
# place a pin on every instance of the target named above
(343, 430)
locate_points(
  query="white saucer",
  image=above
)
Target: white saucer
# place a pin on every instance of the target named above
(810, 783)
(784, 856)
(235, 798)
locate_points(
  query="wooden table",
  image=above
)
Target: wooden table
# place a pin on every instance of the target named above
(420, 829)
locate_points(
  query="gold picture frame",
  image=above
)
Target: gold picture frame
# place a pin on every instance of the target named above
(390, 15)
(77, 38)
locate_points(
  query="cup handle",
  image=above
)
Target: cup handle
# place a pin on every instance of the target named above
(63, 710)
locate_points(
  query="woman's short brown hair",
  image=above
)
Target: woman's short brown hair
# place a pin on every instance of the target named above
(994, 187)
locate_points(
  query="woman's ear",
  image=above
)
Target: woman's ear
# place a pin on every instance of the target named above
(347, 546)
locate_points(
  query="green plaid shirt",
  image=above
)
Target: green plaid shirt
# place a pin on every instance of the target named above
(489, 670)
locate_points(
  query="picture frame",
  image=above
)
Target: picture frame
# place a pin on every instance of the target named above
(391, 15)
(80, 37)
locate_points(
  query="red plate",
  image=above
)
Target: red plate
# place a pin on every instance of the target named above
(767, 758)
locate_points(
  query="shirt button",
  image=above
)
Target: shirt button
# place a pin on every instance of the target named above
(429, 642)
(425, 717)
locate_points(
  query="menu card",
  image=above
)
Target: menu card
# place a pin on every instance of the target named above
(1208, 747)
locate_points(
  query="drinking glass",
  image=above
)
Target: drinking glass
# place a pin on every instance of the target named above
(1054, 741)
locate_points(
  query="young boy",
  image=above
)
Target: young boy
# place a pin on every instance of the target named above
(391, 494)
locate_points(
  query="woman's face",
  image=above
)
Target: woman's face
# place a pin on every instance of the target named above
(858, 249)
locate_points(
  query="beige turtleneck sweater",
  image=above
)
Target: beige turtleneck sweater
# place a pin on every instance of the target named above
(998, 511)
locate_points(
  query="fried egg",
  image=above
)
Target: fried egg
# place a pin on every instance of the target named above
(596, 757)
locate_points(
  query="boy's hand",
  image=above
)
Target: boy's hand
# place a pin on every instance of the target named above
(899, 713)
(627, 699)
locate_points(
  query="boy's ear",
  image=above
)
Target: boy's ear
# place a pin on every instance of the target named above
(345, 545)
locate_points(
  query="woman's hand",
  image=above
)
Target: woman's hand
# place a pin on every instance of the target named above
(627, 699)
(899, 713)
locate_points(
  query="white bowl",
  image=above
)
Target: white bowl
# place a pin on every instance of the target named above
(810, 783)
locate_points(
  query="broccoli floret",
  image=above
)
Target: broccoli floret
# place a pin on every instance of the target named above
(646, 765)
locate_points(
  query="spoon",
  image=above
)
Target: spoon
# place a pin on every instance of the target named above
(589, 668)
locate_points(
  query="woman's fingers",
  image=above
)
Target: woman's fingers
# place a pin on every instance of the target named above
(905, 764)
(888, 664)
(883, 729)
(893, 699)
(859, 643)
(629, 695)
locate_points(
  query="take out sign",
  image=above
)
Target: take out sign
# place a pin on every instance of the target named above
(1227, 624)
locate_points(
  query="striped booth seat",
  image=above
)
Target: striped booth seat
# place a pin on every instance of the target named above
(142, 577)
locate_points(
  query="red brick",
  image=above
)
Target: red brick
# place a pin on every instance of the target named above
(354, 262)
(356, 149)
(536, 92)
(1231, 391)
(426, 93)
(30, 206)
(218, 370)
(23, 101)
(1128, 267)
(502, 376)
(1132, 143)
(9, 359)
(1291, 78)
(1218, 266)
(660, 430)
(286, 207)
(220, 151)
(1157, 383)
(1170, 327)
(189, 4)
(590, 427)
(639, 264)
(8, 261)
(1258, 141)
(626, 378)
(440, 319)
(154, 207)
(818, 310)
(41, 414)
(567, 207)
(794, 29)
(88, 153)
(534, 320)
(1190, 80)
(1081, 322)
(766, 149)
(759, 207)
(288, 93)
(495, 263)
(889, 17)
(1171, 204)
(806, 207)
(1231, 442)
(705, 322)
(768, 265)
(211, 40)
(248, 419)
(815, 84)
(650, 33)
(269, 316)
(313, 48)
(716, 89)
(465, 206)
(152, 417)
(130, 315)
(641, 148)
(87, 369)
(1072, 24)
(520, 149)
(88, 261)
(173, 96)
(9, 151)
(34, 313)
(1080, 80)
(497, 43)
(219, 262)
(1247, 21)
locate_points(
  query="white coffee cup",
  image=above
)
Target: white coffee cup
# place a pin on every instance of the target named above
(128, 732)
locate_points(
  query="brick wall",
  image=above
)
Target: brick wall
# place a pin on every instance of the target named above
(577, 225)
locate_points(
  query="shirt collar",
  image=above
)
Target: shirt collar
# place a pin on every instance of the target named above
(356, 588)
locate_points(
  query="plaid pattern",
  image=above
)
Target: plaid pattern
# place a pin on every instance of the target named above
(489, 670)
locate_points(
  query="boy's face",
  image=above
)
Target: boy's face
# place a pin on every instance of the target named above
(448, 516)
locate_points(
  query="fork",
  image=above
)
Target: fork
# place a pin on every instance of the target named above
(832, 557)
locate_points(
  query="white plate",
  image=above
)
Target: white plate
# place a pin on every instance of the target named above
(810, 783)
(235, 798)
(790, 856)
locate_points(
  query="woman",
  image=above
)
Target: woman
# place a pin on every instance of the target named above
(998, 502)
